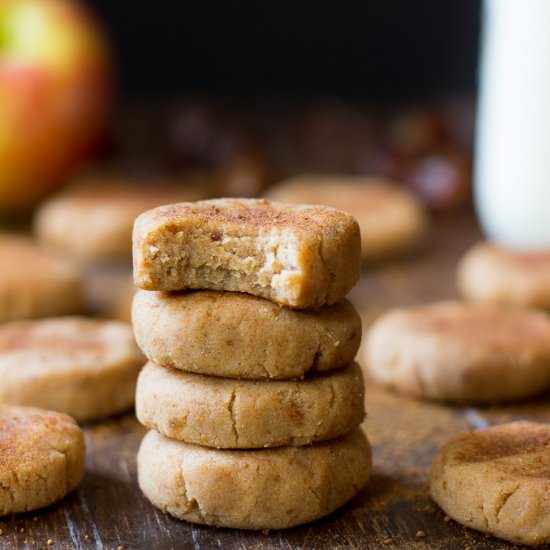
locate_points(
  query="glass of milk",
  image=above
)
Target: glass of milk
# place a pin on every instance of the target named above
(512, 162)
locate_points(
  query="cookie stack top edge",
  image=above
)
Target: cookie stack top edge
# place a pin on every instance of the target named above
(301, 256)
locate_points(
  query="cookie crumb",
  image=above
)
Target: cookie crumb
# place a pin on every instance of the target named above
(387, 541)
(49, 542)
(420, 534)
(446, 519)
(120, 547)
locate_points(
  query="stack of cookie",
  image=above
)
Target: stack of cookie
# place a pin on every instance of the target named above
(251, 391)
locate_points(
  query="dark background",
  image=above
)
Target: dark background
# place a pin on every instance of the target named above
(374, 49)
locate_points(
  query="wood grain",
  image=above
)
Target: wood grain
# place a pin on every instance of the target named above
(395, 511)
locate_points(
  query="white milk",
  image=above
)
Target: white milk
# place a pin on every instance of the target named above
(512, 168)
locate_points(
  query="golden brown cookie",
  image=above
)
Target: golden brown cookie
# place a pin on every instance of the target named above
(489, 273)
(240, 336)
(41, 458)
(93, 219)
(248, 414)
(461, 352)
(391, 220)
(296, 255)
(34, 282)
(260, 489)
(83, 367)
(497, 481)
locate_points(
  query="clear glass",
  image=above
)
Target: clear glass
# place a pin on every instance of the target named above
(512, 162)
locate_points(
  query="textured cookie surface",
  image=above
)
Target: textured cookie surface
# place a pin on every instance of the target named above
(488, 273)
(93, 220)
(461, 352)
(497, 481)
(247, 414)
(301, 256)
(390, 219)
(41, 458)
(83, 367)
(260, 489)
(241, 336)
(36, 283)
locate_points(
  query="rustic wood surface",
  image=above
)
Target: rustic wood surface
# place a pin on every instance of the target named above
(108, 511)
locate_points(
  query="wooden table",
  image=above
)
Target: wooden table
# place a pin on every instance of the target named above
(109, 512)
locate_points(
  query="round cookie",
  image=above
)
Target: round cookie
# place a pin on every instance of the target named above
(300, 256)
(391, 220)
(41, 458)
(247, 414)
(461, 352)
(34, 282)
(489, 273)
(93, 219)
(261, 489)
(236, 335)
(497, 481)
(83, 367)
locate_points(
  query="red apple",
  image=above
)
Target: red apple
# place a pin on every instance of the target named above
(54, 94)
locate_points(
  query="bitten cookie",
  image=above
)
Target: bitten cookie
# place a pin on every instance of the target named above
(41, 458)
(83, 367)
(240, 336)
(497, 481)
(489, 273)
(461, 352)
(93, 220)
(299, 256)
(36, 283)
(391, 220)
(261, 489)
(247, 414)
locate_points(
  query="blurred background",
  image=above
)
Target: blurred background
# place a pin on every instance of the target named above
(394, 50)
(257, 92)
(371, 87)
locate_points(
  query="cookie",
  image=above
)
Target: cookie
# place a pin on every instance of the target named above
(247, 414)
(262, 489)
(93, 219)
(41, 458)
(83, 367)
(391, 220)
(299, 256)
(36, 283)
(497, 481)
(461, 352)
(241, 336)
(489, 273)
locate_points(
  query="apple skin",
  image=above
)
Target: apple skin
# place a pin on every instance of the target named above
(55, 95)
